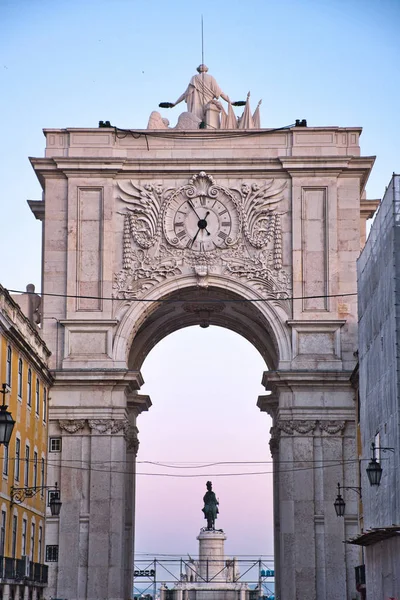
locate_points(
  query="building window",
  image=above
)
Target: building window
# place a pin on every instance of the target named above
(9, 366)
(14, 536)
(26, 477)
(55, 444)
(20, 372)
(44, 404)
(33, 527)
(3, 532)
(17, 458)
(24, 532)
(37, 396)
(42, 477)
(40, 542)
(5, 460)
(51, 553)
(35, 468)
(29, 397)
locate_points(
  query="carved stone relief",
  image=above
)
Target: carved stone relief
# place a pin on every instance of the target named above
(307, 426)
(332, 427)
(110, 426)
(132, 439)
(202, 229)
(71, 425)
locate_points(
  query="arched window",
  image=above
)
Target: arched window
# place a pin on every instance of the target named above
(9, 366)
(17, 458)
(26, 474)
(29, 396)
(20, 372)
(5, 460)
(33, 532)
(35, 468)
(14, 536)
(44, 404)
(37, 396)
(42, 477)
(3, 521)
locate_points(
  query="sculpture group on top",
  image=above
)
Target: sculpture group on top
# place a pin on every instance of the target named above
(204, 111)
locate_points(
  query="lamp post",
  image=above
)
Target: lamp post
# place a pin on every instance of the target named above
(6, 421)
(20, 494)
(340, 504)
(374, 469)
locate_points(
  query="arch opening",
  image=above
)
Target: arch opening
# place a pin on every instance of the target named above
(260, 321)
(204, 386)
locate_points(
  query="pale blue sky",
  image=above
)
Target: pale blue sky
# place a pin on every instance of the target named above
(73, 63)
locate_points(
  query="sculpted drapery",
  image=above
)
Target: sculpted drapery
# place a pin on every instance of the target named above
(201, 90)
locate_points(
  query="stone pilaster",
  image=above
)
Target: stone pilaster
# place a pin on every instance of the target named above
(312, 442)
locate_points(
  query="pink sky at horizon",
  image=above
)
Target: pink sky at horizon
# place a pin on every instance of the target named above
(211, 416)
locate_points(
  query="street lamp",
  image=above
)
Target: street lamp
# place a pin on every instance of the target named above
(374, 469)
(340, 504)
(20, 494)
(6, 421)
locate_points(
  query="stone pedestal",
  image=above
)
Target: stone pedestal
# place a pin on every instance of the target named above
(212, 555)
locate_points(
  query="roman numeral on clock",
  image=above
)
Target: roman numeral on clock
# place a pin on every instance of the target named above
(181, 234)
(225, 223)
(222, 235)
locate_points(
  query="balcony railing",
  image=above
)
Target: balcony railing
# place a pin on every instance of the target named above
(21, 569)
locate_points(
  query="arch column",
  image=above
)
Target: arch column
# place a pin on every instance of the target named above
(94, 414)
(313, 447)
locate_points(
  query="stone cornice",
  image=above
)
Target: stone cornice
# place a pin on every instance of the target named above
(272, 380)
(368, 208)
(38, 208)
(132, 380)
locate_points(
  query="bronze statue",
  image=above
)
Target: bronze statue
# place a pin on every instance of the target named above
(210, 509)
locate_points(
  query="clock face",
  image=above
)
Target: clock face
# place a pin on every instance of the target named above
(202, 223)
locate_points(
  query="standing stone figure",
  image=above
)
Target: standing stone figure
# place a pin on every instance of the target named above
(210, 509)
(201, 90)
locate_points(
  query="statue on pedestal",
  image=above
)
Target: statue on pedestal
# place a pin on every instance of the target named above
(210, 509)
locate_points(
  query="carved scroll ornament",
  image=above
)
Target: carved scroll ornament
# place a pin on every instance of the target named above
(202, 228)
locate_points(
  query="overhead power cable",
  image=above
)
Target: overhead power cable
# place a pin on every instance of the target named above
(104, 470)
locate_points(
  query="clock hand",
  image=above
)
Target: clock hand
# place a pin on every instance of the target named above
(193, 208)
(194, 239)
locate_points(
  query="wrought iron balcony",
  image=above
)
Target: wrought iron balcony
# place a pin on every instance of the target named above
(22, 570)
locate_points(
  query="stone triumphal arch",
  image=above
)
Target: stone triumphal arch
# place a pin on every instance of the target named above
(146, 232)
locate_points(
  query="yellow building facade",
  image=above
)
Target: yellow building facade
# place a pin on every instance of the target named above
(23, 464)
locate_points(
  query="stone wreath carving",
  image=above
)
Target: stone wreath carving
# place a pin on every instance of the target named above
(71, 425)
(305, 426)
(98, 425)
(202, 228)
(332, 427)
(108, 425)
